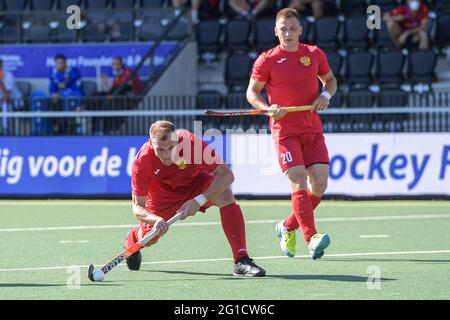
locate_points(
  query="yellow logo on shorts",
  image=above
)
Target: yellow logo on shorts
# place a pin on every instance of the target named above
(181, 164)
(306, 61)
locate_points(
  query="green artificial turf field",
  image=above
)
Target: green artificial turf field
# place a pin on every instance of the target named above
(406, 243)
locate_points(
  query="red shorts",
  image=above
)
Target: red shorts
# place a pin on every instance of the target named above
(301, 150)
(167, 210)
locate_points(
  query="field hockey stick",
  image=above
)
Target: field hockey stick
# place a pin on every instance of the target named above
(98, 275)
(254, 112)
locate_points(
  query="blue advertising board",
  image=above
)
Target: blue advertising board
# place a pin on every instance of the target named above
(33, 166)
(35, 61)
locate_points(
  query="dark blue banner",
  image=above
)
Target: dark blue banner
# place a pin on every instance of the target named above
(67, 165)
(36, 61)
(33, 166)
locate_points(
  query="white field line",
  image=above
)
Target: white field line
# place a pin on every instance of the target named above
(369, 236)
(73, 241)
(252, 203)
(214, 223)
(361, 254)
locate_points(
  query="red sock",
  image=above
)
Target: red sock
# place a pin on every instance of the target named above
(291, 223)
(132, 237)
(315, 200)
(303, 210)
(234, 227)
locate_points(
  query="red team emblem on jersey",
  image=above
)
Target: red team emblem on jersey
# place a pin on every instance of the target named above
(306, 61)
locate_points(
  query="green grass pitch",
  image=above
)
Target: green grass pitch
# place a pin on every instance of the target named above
(47, 245)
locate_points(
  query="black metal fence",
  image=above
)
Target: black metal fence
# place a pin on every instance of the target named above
(353, 112)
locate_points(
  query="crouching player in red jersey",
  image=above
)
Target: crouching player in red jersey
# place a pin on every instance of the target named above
(290, 72)
(177, 171)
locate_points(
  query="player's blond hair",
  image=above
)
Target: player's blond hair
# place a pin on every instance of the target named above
(161, 130)
(287, 13)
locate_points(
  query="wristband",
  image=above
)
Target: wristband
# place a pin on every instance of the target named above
(326, 94)
(200, 199)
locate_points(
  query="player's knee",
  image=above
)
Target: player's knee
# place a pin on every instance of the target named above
(319, 187)
(298, 178)
(225, 198)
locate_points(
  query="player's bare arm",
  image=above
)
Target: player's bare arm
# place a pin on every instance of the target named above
(329, 89)
(223, 178)
(258, 102)
(141, 213)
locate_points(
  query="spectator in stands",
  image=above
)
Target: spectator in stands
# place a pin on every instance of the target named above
(407, 24)
(10, 96)
(9, 93)
(65, 83)
(207, 8)
(301, 6)
(123, 100)
(251, 8)
(120, 73)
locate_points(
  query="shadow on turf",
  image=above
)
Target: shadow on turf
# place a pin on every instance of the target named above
(340, 278)
(41, 285)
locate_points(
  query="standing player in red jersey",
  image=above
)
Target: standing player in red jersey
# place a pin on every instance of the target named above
(290, 72)
(176, 171)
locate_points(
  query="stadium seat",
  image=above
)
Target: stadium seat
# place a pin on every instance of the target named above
(39, 31)
(381, 37)
(390, 67)
(89, 87)
(123, 4)
(236, 100)
(237, 35)
(63, 4)
(63, 34)
(97, 4)
(15, 5)
(151, 3)
(385, 5)
(24, 88)
(120, 26)
(264, 34)
(179, 30)
(359, 68)
(326, 33)
(209, 99)
(350, 7)
(421, 64)
(443, 30)
(442, 6)
(391, 98)
(208, 37)
(151, 27)
(356, 33)
(10, 31)
(360, 98)
(337, 101)
(306, 26)
(42, 5)
(95, 29)
(237, 71)
(336, 61)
